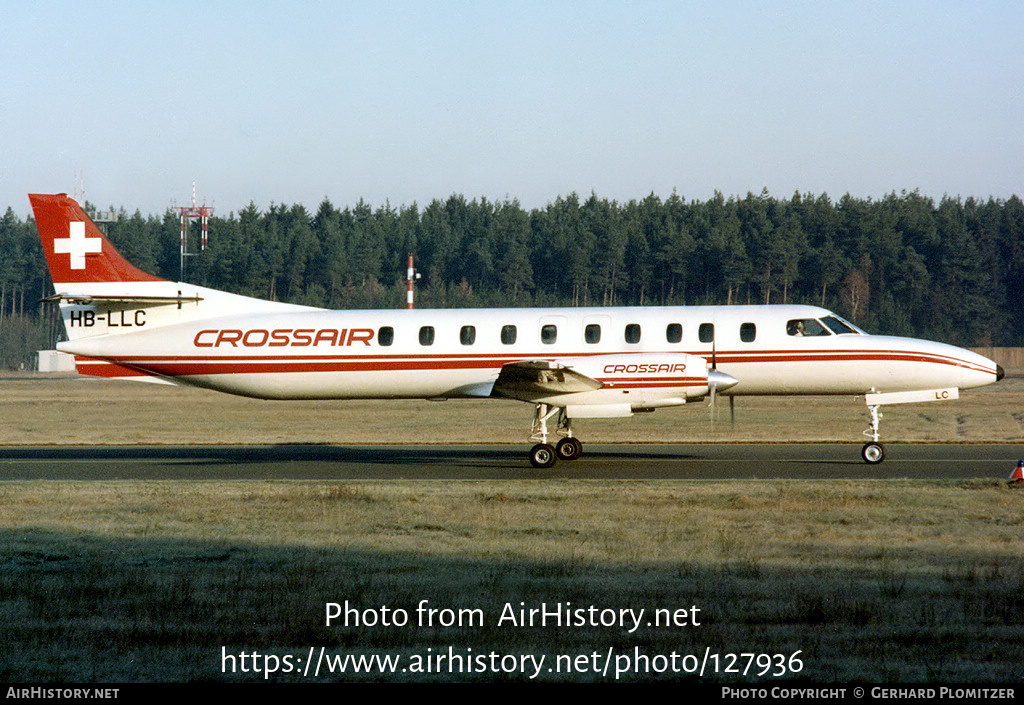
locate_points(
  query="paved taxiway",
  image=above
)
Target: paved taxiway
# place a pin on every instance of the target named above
(496, 462)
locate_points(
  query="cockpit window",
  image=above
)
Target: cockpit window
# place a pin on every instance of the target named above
(839, 326)
(806, 326)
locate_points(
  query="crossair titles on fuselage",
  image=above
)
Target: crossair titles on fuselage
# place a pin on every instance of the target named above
(282, 337)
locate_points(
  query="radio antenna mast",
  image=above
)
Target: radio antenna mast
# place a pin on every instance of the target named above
(189, 213)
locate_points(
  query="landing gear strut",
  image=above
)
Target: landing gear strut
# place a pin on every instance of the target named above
(544, 455)
(873, 452)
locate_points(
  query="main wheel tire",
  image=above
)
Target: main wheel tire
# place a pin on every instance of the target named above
(542, 455)
(873, 453)
(569, 448)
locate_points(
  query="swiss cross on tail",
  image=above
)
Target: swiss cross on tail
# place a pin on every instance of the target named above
(77, 244)
(75, 249)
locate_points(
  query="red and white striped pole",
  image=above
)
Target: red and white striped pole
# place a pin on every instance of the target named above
(183, 245)
(410, 274)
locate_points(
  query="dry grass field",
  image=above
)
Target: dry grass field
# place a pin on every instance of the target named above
(76, 410)
(874, 581)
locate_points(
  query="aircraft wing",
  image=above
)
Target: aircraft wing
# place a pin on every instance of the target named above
(533, 377)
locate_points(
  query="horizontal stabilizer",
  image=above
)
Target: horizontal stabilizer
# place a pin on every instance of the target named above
(86, 299)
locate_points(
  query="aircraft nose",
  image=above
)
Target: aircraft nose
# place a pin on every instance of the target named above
(1000, 372)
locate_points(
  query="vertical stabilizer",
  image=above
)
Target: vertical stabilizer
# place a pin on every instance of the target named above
(76, 251)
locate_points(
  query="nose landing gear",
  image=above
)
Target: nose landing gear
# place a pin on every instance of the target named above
(873, 452)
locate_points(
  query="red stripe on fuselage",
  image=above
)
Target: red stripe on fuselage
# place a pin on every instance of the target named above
(101, 368)
(228, 364)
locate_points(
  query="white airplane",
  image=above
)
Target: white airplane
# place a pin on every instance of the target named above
(569, 362)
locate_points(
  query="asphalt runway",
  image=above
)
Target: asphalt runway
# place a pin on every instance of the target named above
(503, 462)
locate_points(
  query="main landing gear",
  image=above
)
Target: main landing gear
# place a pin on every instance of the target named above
(544, 455)
(873, 452)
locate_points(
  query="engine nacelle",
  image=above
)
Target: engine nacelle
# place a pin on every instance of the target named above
(640, 380)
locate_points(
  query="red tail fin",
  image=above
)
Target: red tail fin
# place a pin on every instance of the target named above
(76, 250)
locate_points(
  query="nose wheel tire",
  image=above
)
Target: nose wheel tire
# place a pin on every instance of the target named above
(873, 453)
(542, 455)
(569, 448)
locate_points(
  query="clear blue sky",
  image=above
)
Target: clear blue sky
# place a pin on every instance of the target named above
(409, 101)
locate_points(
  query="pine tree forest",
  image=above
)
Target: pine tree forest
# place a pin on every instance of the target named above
(904, 264)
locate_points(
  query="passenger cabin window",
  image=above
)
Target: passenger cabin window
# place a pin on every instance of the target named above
(592, 333)
(508, 335)
(706, 332)
(674, 333)
(467, 336)
(386, 335)
(427, 335)
(806, 327)
(633, 333)
(748, 331)
(548, 334)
